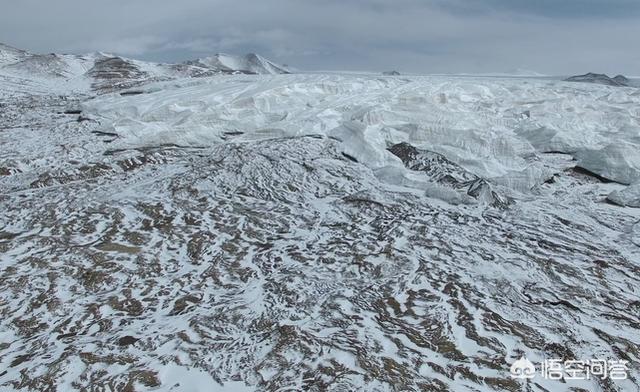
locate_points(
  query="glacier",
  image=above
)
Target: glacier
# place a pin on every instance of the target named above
(497, 129)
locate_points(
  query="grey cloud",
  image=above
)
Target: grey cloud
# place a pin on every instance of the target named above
(571, 9)
(557, 37)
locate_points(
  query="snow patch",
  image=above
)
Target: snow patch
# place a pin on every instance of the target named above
(628, 197)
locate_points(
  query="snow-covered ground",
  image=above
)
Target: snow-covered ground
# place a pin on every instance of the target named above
(317, 232)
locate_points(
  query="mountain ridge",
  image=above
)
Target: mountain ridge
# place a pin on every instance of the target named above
(106, 72)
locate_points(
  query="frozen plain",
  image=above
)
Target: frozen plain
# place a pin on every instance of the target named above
(317, 232)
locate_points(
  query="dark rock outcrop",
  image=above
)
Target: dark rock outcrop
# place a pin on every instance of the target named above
(622, 80)
(442, 171)
(115, 73)
(619, 80)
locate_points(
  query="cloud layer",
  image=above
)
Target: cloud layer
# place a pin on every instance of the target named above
(429, 36)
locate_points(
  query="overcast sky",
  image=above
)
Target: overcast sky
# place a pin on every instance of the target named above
(428, 36)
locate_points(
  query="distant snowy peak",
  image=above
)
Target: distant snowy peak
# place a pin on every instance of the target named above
(111, 73)
(600, 79)
(250, 63)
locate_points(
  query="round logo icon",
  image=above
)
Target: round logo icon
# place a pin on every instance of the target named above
(523, 368)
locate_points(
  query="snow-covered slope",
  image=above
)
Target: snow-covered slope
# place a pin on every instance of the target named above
(316, 233)
(49, 66)
(10, 55)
